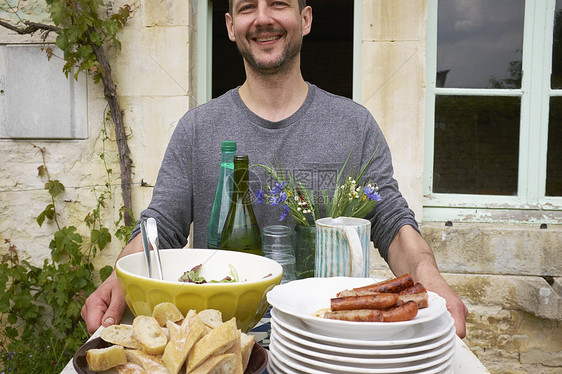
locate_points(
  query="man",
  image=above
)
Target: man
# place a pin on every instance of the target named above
(275, 114)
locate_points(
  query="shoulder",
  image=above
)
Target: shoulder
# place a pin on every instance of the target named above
(328, 102)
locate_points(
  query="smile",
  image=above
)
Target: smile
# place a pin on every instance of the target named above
(267, 38)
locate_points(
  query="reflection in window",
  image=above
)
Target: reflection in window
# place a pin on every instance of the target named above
(554, 154)
(479, 43)
(476, 145)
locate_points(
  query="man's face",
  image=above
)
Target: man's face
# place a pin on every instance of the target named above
(268, 33)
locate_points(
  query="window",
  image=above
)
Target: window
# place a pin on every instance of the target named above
(494, 111)
(330, 55)
(37, 101)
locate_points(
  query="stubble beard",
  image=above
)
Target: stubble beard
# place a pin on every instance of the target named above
(282, 64)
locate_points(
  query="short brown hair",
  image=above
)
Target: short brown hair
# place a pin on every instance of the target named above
(302, 4)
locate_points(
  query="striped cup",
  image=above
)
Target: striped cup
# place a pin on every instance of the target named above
(342, 247)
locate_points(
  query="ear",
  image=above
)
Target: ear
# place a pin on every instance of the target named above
(229, 26)
(306, 16)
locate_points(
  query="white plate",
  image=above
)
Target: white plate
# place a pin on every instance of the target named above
(363, 351)
(299, 362)
(343, 359)
(279, 367)
(304, 297)
(412, 335)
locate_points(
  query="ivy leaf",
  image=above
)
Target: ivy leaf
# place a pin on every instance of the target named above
(105, 272)
(48, 212)
(100, 237)
(55, 187)
(66, 242)
(11, 332)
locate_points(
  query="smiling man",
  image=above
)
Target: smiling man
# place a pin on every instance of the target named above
(275, 115)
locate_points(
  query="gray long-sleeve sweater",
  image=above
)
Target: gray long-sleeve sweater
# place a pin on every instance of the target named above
(313, 144)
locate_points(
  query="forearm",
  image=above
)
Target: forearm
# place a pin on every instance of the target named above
(409, 253)
(135, 245)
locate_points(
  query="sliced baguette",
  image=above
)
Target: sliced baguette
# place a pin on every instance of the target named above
(220, 364)
(247, 344)
(178, 348)
(236, 349)
(166, 312)
(211, 317)
(120, 335)
(130, 368)
(101, 359)
(149, 335)
(152, 364)
(216, 342)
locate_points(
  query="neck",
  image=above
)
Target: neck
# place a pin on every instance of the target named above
(274, 97)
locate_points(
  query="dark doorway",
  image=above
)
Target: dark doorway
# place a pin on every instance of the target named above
(327, 53)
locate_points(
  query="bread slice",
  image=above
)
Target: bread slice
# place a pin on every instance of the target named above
(220, 364)
(130, 368)
(173, 329)
(211, 317)
(247, 344)
(101, 359)
(166, 312)
(179, 347)
(120, 335)
(236, 349)
(152, 364)
(218, 341)
(149, 335)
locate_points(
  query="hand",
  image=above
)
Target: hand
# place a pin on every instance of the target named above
(455, 306)
(105, 305)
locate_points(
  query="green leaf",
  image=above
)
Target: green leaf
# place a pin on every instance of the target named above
(55, 187)
(48, 212)
(100, 237)
(12, 319)
(105, 272)
(66, 242)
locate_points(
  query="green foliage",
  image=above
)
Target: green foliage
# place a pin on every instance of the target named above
(81, 30)
(40, 306)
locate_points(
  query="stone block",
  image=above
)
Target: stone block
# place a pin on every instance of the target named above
(386, 19)
(496, 249)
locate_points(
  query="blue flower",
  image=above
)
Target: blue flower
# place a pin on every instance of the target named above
(259, 195)
(285, 212)
(371, 193)
(278, 188)
(275, 200)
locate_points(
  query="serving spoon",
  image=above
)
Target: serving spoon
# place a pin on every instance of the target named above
(152, 230)
(146, 248)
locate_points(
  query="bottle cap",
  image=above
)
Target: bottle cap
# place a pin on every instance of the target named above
(228, 145)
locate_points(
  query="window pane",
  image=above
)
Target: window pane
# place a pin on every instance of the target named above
(476, 145)
(479, 43)
(556, 76)
(554, 155)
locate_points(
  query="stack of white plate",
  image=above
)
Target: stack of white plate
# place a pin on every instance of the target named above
(303, 343)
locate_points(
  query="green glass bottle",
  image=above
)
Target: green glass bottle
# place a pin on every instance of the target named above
(223, 195)
(241, 231)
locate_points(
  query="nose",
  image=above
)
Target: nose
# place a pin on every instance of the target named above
(263, 16)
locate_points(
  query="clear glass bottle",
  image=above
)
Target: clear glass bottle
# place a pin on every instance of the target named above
(223, 195)
(241, 231)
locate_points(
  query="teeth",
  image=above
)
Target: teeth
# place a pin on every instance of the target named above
(266, 39)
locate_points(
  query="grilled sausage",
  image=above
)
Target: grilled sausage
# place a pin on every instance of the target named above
(372, 301)
(391, 285)
(416, 288)
(421, 299)
(358, 315)
(404, 312)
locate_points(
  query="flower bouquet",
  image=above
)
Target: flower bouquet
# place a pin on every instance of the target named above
(352, 197)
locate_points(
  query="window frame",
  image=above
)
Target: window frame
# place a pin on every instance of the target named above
(204, 48)
(530, 204)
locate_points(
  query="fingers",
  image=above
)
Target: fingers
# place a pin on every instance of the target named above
(105, 305)
(115, 310)
(459, 312)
